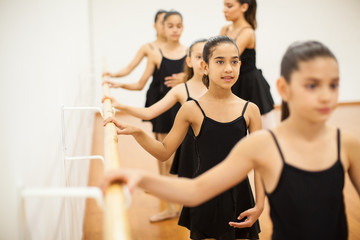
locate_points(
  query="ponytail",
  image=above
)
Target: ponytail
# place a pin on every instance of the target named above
(250, 14)
(284, 110)
(205, 80)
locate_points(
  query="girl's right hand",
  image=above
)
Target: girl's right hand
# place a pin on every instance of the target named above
(123, 128)
(130, 177)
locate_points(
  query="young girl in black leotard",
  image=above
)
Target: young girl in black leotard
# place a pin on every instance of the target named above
(166, 61)
(302, 162)
(184, 160)
(218, 120)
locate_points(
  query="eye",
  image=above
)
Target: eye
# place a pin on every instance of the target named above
(310, 85)
(220, 62)
(198, 57)
(235, 62)
(334, 85)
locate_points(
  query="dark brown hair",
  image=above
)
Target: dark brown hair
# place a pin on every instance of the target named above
(209, 49)
(296, 53)
(189, 72)
(250, 14)
(158, 13)
(172, 12)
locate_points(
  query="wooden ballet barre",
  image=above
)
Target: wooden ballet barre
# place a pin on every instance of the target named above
(116, 224)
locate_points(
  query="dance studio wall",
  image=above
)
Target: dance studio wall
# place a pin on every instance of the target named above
(45, 62)
(121, 27)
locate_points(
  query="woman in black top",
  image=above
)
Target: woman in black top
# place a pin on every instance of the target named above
(251, 84)
(301, 162)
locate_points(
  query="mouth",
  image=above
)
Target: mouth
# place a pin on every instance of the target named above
(325, 110)
(227, 78)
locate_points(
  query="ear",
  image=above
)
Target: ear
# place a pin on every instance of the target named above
(188, 62)
(283, 88)
(244, 7)
(204, 67)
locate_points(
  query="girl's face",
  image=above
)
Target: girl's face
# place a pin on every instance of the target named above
(173, 27)
(224, 65)
(313, 90)
(159, 26)
(232, 10)
(196, 58)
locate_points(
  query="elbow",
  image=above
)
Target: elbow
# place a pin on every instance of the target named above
(163, 158)
(140, 87)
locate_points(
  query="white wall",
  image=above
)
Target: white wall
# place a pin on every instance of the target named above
(121, 27)
(45, 62)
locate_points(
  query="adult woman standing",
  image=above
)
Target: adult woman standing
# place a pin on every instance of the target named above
(251, 84)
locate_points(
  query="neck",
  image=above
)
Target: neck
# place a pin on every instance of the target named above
(239, 23)
(306, 129)
(197, 77)
(172, 44)
(160, 39)
(218, 93)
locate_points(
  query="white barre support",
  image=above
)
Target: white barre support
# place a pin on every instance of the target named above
(66, 158)
(65, 192)
(60, 192)
(86, 157)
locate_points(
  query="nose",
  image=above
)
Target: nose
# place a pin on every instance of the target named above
(228, 68)
(224, 10)
(325, 94)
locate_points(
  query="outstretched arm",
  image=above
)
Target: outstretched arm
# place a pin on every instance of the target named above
(160, 150)
(169, 100)
(150, 67)
(192, 192)
(142, 52)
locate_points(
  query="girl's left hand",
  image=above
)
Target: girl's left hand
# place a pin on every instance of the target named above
(250, 215)
(175, 79)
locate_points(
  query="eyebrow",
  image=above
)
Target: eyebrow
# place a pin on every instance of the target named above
(318, 80)
(220, 57)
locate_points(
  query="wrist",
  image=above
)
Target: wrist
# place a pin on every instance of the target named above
(259, 207)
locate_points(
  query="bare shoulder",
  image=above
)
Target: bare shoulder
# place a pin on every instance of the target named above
(147, 48)
(190, 106)
(255, 141)
(350, 142)
(179, 90)
(246, 35)
(224, 29)
(253, 108)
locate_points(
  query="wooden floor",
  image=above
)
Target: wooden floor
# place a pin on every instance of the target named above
(144, 205)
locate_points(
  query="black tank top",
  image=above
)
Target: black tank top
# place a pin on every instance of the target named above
(210, 219)
(167, 68)
(185, 158)
(309, 204)
(216, 139)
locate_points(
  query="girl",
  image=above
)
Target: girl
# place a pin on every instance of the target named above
(218, 120)
(193, 87)
(251, 84)
(166, 61)
(302, 161)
